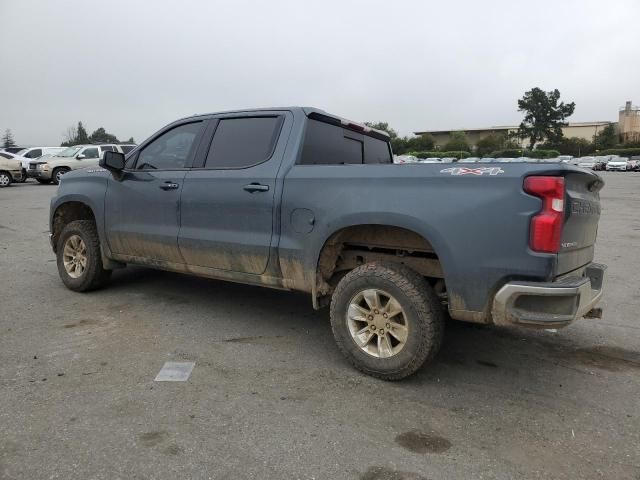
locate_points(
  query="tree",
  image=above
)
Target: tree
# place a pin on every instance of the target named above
(457, 143)
(78, 136)
(421, 143)
(70, 135)
(7, 139)
(606, 138)
(401, 145)
(131, 140)
(570, 146)
(81, 135)
(101, 136)
(544, 116)
(491, 143)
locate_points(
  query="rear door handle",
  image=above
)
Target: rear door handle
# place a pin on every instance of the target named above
(256, 187)
(169, 186)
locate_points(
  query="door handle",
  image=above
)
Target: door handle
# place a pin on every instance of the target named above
(256, 187)
(169, 186)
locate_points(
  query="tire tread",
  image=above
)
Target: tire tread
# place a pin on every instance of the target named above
(97, 275)
(423, 300)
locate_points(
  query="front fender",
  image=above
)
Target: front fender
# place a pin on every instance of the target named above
(87, 187)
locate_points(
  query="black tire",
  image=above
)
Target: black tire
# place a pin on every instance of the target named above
(42, 181)
(58, 171)
(94, 275)
(5, 179)
(423, 314)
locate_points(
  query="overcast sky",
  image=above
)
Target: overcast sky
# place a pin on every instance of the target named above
(133, 66)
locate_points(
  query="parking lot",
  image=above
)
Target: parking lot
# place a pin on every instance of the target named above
(270, 395)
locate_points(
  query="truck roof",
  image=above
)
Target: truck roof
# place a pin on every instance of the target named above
(311, 112)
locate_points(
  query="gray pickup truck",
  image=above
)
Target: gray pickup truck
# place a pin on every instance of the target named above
(298, 199)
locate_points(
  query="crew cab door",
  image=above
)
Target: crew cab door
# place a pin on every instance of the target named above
(227, 207)
(142, 207)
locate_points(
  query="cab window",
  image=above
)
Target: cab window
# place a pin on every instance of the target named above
(170, 150)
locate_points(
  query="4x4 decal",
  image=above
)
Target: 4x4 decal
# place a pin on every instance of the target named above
(473, 171)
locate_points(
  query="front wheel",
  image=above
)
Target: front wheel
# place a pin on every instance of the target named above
(78, 257)
(387, 320)
(5, 179)
(57, 174)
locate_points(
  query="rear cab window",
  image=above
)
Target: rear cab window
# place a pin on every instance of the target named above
(328, 144)
(243, 142)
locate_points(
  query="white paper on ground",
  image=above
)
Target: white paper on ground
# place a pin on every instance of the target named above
(175, 372)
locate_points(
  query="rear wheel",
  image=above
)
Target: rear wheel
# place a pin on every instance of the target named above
(5, 179)
(78, 257)
(387, 320)
(57, 174)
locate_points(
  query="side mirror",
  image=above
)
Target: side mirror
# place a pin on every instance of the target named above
(112, 161)
(81, 156)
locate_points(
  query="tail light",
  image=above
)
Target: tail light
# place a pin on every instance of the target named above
(546, 226)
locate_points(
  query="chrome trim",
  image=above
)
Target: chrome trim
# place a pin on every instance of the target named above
(587, 291)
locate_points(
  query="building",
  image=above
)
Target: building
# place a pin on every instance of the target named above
(629, 123)
(584, 130)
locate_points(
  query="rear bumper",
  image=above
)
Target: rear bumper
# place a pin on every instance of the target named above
(552, 304)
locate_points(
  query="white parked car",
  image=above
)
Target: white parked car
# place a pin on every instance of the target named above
(587, 162)
(31, 153)
(405, 159)
(617, 164)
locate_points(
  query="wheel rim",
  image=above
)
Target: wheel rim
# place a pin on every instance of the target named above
(377, 323)
(74, 256)
(4, 180)
(59, 175)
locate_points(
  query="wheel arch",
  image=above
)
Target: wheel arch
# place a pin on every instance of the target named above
(400, 239)
(66, 212)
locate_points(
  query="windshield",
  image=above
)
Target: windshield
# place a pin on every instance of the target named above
(68, 152)
(21, 152)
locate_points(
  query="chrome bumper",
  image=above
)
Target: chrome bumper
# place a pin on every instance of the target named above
(552, 304)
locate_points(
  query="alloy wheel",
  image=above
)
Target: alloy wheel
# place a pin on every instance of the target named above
(377, 323)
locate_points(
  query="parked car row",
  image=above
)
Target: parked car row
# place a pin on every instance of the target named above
(49, 164)
(609, 162)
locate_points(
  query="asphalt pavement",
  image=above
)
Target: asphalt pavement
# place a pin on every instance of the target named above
(270, 397)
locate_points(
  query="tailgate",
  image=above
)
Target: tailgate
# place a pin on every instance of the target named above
(582, 212)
